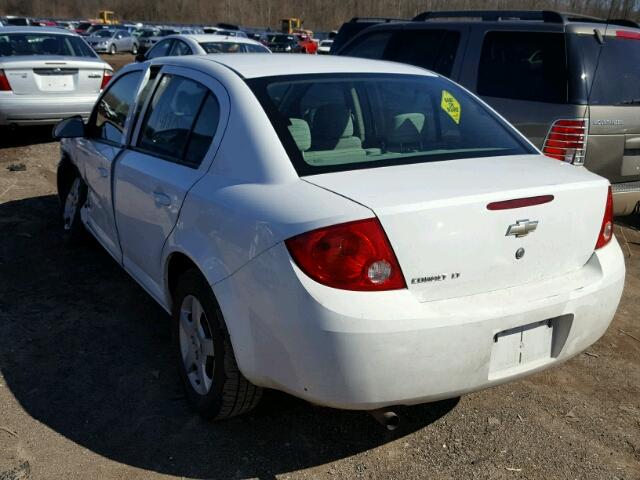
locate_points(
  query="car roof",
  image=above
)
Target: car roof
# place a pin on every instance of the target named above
(53, 30)
(256, 65)
(212, 37)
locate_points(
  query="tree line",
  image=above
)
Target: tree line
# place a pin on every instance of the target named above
(317, 14)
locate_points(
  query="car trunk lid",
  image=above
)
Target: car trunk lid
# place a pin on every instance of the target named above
(450, 244)
(29, 76)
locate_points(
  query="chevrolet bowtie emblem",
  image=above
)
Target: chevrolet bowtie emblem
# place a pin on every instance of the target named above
(522, 228)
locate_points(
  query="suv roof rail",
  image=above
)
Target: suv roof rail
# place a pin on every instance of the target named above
(494, 15)
(623, 22)
(377, 19)
(547, 16)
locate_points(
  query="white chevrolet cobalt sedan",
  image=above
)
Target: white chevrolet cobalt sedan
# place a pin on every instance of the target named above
(47, 74)
(357, 233)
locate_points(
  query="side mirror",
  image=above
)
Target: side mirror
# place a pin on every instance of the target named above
(72, 127)
(141, 57)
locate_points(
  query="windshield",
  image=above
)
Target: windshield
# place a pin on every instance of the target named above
(148, 33)
(43, 44)
(165, 33)
(103, 34)
(331, 122)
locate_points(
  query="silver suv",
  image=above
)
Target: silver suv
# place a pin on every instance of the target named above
(570, 83)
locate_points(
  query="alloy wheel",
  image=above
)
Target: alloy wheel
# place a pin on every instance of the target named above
(196, 345)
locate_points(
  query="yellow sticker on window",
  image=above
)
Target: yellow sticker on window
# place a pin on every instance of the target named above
(450, 105)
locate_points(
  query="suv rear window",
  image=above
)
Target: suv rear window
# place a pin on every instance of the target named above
(333, 122)
(617, 80)
(524, 66)
(433, 49)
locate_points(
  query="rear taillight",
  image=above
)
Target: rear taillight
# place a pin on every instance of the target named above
(567, 141)
(606, 230)
(350, 256)
(106, 78)
(4, 82)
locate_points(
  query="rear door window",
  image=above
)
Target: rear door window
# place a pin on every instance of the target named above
(180, 122)
(370, 46)
(180, 48)
(431, 49)
(160, 50)
(434, 49)
(524, 66)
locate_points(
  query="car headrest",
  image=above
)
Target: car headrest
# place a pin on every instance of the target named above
(332, 122)
(301, 133)
(406, 128)
(5, 49)
(51, 46)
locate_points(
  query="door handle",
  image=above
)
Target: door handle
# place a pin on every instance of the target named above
(104, 173)
(161, 199)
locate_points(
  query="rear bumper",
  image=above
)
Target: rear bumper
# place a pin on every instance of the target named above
(626, 197)
(43, 109)
(360, 350)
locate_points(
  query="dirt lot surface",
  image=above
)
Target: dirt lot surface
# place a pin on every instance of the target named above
(88, 389)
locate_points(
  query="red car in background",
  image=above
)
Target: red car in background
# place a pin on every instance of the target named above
(307, 44)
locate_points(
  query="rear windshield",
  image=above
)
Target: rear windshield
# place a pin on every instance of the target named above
(332, 122)
(43, 44)
(617, 79)
(232, 47)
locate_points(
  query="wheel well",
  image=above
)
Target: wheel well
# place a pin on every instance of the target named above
(178, 264)
(67, 171)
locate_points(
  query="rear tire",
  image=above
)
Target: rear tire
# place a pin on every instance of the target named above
(214, 385)
(134, 49)
(72, 192)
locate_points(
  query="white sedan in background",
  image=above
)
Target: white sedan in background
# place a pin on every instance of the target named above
(360, 234)
(47, 74)
(179, 45)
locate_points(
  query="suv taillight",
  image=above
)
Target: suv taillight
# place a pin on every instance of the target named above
(4, 82)
(106, 78)
(606, 230)
(350, 256)
(567, 141)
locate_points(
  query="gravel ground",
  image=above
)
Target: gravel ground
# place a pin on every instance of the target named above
(88, 389)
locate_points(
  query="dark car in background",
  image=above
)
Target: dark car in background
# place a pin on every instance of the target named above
(282, 42)
(570, 83)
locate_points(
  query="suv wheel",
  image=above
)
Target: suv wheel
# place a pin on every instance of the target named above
(214, 385)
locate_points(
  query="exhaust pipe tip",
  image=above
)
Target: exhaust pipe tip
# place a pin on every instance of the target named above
(387, 418)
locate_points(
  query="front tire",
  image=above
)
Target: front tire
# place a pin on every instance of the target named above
(73, 195)
(214, 385)
(112, 50)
